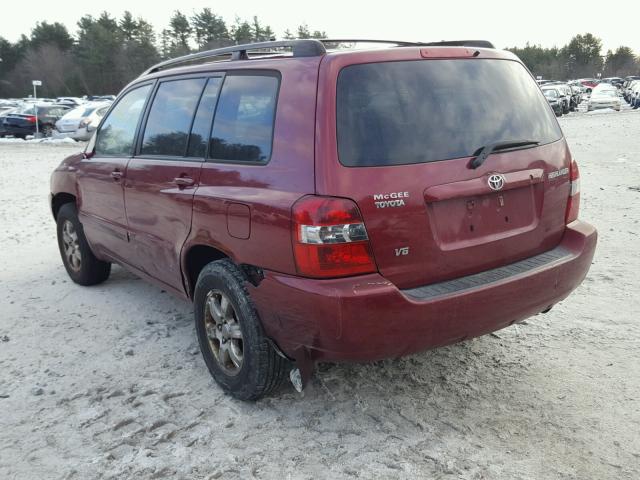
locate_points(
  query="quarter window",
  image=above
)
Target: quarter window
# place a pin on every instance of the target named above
(170, 117)
(119, 128)
(243, 125)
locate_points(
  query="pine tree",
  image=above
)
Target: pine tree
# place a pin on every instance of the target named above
(179, 32)
(209, 29)
(241, 32)
(51, 34)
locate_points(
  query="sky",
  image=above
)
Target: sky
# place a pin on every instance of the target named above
(505, 23)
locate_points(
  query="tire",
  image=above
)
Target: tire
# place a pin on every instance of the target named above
(558, 112)
(47, 131)
(81, 264)
(248, 367)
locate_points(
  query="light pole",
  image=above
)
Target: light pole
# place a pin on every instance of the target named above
(36, 83)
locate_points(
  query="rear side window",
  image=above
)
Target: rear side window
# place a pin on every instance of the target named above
(398, 113)
(170, 117)
(118, 129)
(243, 125)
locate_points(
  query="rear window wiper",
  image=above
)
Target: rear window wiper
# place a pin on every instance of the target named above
(490, 148)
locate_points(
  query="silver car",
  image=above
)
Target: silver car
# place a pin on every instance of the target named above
(80, 122)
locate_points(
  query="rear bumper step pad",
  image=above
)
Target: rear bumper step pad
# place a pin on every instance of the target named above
(427, 292)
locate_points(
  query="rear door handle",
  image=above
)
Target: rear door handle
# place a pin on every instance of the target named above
(183, 182)
(116, 175)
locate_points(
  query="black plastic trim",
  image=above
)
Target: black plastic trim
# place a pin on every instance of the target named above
(430, 292)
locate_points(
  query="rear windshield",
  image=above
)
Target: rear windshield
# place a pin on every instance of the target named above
(397, 113)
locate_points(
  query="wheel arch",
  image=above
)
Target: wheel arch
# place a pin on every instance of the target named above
(59, 199)
(194, 259)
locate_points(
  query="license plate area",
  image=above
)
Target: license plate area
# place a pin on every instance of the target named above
(467, 221)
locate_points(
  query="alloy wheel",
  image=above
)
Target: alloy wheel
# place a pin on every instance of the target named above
(223, 332)
(71, 246)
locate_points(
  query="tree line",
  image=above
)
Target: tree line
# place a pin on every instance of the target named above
(105, 53)
(582, 57)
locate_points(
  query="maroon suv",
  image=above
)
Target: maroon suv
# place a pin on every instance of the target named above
(343, 205)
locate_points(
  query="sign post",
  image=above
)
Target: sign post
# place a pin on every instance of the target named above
(36, 83)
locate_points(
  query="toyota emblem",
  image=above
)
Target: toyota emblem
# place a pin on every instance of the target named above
(496, 181)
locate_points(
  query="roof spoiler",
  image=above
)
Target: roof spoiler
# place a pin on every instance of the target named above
(403, 43)
(461, 43)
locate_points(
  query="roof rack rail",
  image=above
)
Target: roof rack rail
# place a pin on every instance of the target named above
(309, 47)
(300, 48)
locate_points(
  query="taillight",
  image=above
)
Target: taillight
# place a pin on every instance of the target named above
(573, 205)
(330, 239)
(30, 118)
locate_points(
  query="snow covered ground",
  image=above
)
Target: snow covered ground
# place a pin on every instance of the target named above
(107, 382)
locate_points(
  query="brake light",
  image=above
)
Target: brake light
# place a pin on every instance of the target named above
(330, 239)
(573, 205)
(30, 119)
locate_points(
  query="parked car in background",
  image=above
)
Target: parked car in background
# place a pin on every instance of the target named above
(5, 111)
(628, 89)
(615, 81)
(333, 206)
(566, 95)
(577, 84)
(553, 97)
(604, 98)
(576, 94)
(70, 101)
(23, 122)
(80, 122)
(589, 83)
(625, 87)
(634, 97)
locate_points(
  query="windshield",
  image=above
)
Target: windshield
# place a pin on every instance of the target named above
(397, 113)
(27, 110)
(605, 93)
(550, 93)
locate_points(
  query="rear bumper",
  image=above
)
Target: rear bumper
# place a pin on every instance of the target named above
(80, 134)
(597, 106)
(368, 318)
(19, 130)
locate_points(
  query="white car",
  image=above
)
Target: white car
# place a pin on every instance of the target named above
(71, 100)
(80, 122)
(604, 98)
